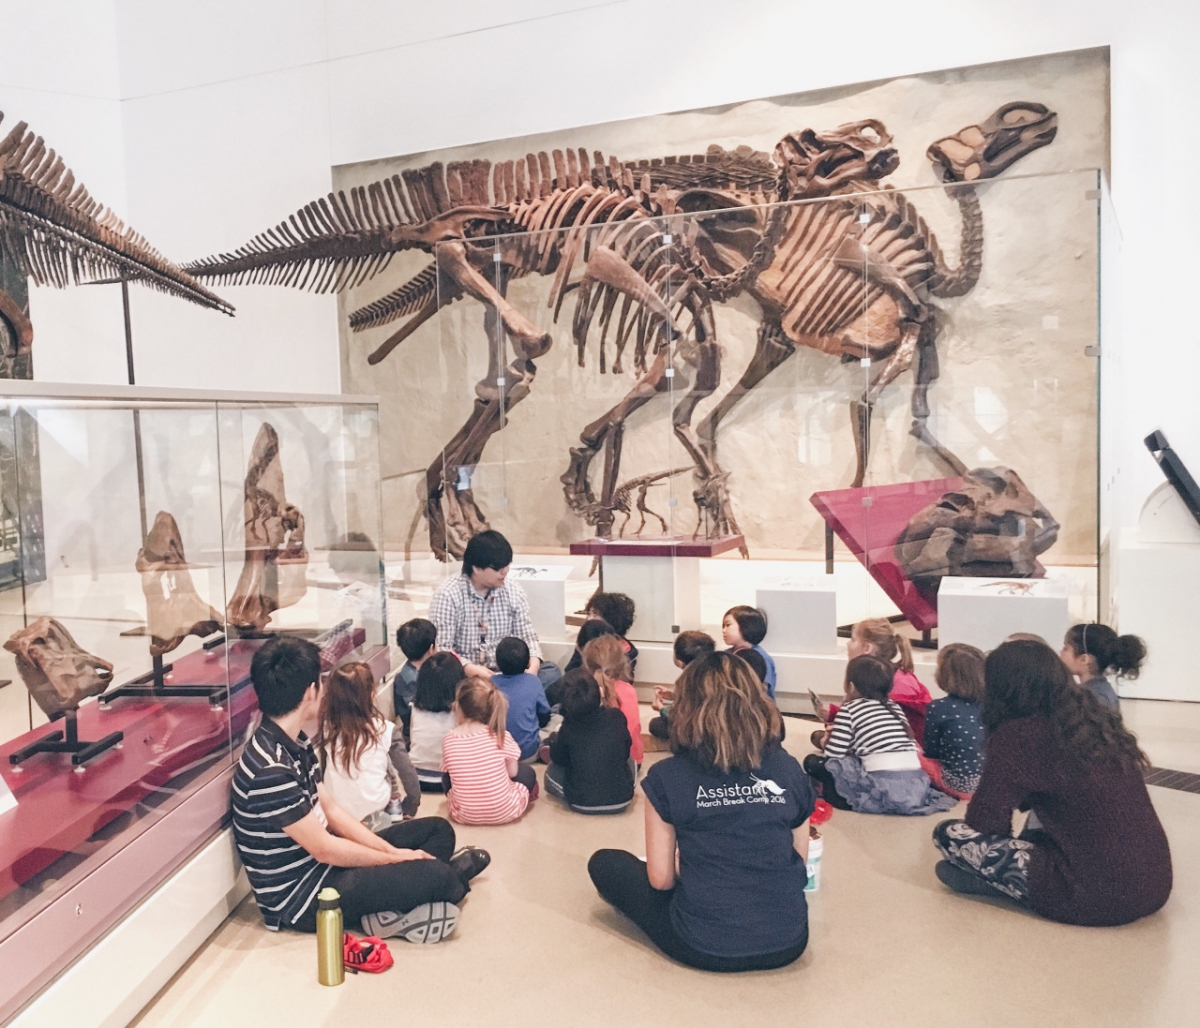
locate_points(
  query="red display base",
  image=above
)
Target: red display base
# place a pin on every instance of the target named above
(662, 546)
(60, 808)
(869, 521)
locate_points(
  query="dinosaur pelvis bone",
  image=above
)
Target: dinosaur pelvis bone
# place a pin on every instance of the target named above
(274, 575)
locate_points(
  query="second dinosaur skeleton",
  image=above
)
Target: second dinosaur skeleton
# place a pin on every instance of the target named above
(838, 264)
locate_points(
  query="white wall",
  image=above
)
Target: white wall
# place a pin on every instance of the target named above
(233, 113)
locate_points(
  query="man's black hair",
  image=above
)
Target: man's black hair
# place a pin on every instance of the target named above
(580, 693)
(436, 681)
(415, 637)
(751, 622)
(512, 655)
(615, 608)
(487, 550)
(282, 670)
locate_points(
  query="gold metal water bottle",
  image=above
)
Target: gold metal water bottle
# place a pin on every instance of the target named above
(331, 968)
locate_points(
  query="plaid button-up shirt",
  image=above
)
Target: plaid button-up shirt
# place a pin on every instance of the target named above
(471, 625)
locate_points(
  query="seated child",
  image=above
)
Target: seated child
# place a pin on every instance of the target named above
(356, 747)
(605, 659)
(744, 628)
(871, 761)
(485, 783)
(953, 756)
(1093, 652)
(433, 716)
(528, 710)
(689, 646)
(877, 637)
(592, 628)
(619, 611)
(417, 640)
(590, 766)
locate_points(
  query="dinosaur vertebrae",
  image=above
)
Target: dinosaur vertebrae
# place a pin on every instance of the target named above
(53, 229)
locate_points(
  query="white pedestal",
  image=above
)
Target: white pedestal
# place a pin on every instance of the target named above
(665, 590)
(546, 589)
(1156, 600)
(801, 617)
(985, 611)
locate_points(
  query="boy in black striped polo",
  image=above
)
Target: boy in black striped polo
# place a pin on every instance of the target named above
(294, 839)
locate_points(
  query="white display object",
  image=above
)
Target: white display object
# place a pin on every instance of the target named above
(665, 591)
(801, 617)
(1158, 567)
(984, 612)
(545, 586)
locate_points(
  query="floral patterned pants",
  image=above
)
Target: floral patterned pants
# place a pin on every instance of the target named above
(999, 860)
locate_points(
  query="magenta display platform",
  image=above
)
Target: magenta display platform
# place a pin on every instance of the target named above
(869, 520)
(661, 546)
(59, 809)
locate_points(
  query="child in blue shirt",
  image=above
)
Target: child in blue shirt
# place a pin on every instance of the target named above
(744, 628)
(528, 710)
(417, 640)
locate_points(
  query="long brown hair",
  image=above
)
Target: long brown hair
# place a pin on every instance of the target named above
(348, 722)
(478, 699)
(722, 715)
(1024, 679)
(605, 658)
(886, 642)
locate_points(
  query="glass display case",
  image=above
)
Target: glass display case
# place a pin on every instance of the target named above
(151, 542)
(864, 394)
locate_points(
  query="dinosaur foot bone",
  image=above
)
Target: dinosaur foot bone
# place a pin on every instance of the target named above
(985, 150)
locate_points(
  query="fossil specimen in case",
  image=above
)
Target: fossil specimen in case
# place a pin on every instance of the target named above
(58, 673)
(276, 559)
(174, 610)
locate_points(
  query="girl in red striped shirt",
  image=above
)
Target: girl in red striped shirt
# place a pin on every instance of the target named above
(486, 783)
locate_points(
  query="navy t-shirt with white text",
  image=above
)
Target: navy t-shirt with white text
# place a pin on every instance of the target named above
(741, 882)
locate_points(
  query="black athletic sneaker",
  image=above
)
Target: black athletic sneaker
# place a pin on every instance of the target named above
(470, 861)
(428, 923)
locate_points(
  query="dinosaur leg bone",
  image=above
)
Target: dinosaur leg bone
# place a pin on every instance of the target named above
(453, 262)
(607, 431)
(860, 410)
(927, 373)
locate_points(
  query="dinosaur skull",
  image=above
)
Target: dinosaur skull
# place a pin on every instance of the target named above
(57, 673)
(819, 163)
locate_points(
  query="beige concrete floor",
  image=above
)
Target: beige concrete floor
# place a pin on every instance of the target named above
(889, 945)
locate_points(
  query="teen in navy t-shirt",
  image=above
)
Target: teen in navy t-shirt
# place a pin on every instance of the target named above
(734, 806)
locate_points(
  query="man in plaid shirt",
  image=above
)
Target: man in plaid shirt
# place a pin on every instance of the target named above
(475, 610)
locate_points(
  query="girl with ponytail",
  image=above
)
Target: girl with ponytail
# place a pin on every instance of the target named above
(485, 782)
(1093, 652)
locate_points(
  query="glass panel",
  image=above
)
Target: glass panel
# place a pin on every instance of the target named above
(828, 372)
(109, 633)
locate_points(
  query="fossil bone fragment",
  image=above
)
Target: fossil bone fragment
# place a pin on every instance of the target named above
(174, 610)
(273, 575)
(58, 673)
(993, 527)
(854, 276)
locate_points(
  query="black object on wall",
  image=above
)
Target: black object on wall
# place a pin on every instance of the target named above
(1176, 471)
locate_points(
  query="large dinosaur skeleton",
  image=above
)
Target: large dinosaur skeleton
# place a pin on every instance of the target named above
(852, 274)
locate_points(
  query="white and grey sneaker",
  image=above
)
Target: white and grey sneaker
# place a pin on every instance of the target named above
(428, 923)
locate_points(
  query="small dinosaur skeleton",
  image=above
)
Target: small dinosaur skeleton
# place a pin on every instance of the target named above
(56, 233)
(851, 275)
